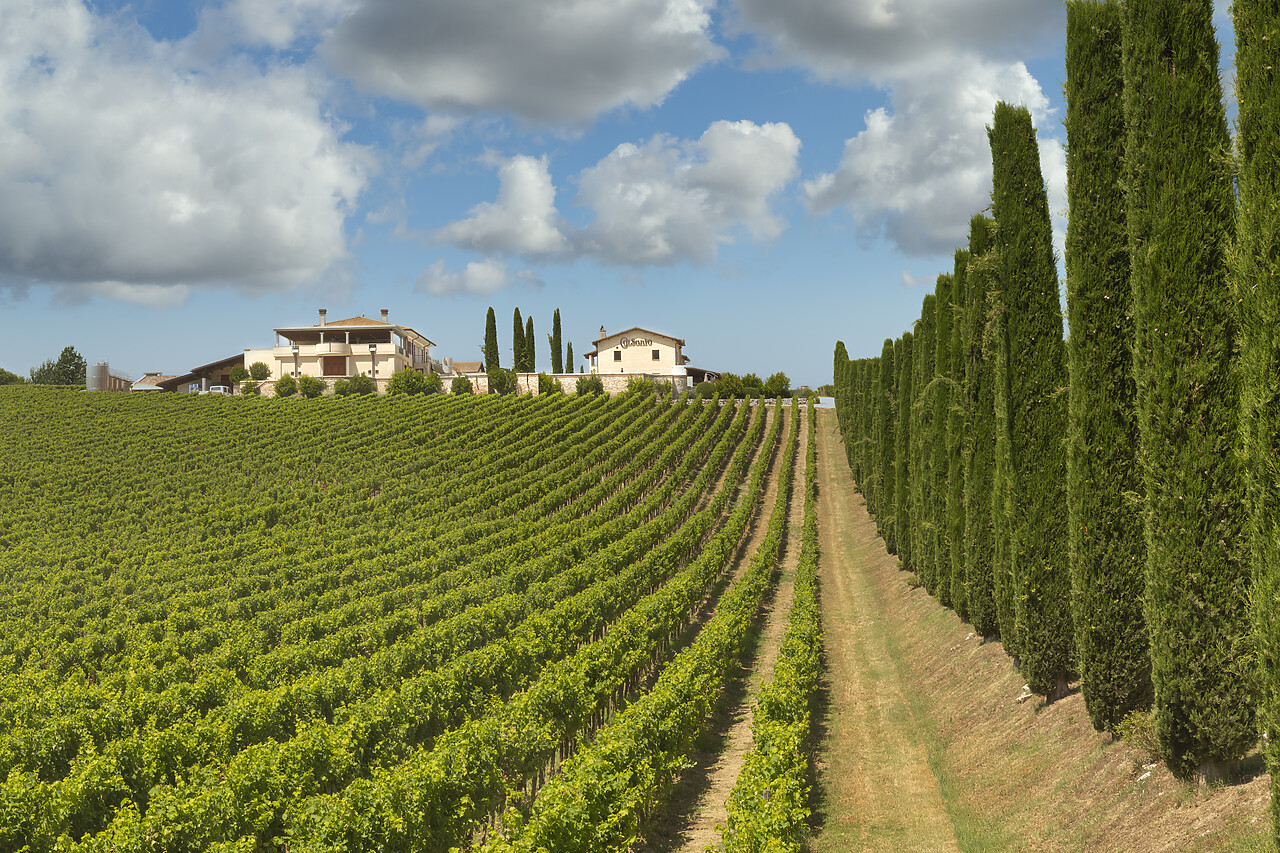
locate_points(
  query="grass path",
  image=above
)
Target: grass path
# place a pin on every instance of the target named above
(875, 788)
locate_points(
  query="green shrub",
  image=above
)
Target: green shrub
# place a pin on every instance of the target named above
(259, 371)
(407, 381)
(461, 385)
(503, 381)
(239, 373)
(286, 386)
(705, 390)
(250, 389)
(1138, 730)
(361, 384)
(432, 383)
(549, 384)
(311, 387)
(590, 384)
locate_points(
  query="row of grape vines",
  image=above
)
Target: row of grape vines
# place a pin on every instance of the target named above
(338, 624)
(768, 807)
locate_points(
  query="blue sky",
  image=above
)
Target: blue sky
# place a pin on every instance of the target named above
(759, 177)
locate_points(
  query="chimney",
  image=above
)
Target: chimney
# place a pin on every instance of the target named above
(602, 332)
(385, 312)
(323, 312)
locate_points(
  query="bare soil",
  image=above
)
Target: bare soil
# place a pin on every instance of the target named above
(927, 745)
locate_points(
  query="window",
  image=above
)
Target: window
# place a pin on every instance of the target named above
(617, 355)
(656, 355)
(333, 365)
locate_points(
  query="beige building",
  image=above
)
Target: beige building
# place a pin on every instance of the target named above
(637, 351)
(342, 348)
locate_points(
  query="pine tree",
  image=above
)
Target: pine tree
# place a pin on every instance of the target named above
(979, 438)
(491, 364)
(902, 452)
(517, 342)
(924, 544)
(885, 446)
(938, 393)
(1036, 404)
(955, 440)
(1181, 214)
(530, 347)
(1257, 285)
(1106, 547)
(557, 353)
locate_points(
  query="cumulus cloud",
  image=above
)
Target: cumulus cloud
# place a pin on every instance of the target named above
(660, 202)
(669, 200)
(922, 167)
(880, 40)
(551, 61)
(124, 168)
(522, 221)
(483, 276)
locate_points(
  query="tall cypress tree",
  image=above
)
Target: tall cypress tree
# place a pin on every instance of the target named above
(939, 394)
(530, 348)
(902, 452)
(924, 546)
(885, 446)
(1002, 521)
(979, 431)
(955, 440)
(1036, 404)
(517, 342)
(557, 353)
(866, 433)
(1106, 546)
(568, 357)
(491, 364)
(1181, 215)
(839, 366)
(1257, 285)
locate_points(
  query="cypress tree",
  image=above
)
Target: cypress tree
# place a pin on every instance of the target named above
(530, 348)
(1106, 547)
(979, 431)
(866, 434)
(491, 364)
(939, 395)
(1002, 543)
(517, 342)
(1036, 404)
(924, 546)
(955, 440)
(1181, 214)
(1257, 284)
(902, 452)
(568, 357)
(557, 353)
(885, 446)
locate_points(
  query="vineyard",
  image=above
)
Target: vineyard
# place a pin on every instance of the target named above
(424, 623)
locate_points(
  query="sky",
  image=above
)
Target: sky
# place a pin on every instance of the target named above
(758, 177)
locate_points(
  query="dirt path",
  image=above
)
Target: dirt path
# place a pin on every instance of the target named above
(697, 805)
(876, 790)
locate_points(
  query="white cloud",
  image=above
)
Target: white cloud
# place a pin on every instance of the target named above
(660, 202)
(668, 200)
(125, 168)
(550, 61)
(922, 168)
(483, 276)
(881, 40)
(522, 220)
(280, 23)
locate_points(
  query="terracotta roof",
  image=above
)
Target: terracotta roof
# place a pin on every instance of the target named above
(680, 341)
(357, 321)
(468, 366)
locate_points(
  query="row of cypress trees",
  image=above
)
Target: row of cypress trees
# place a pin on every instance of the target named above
(1107, 504)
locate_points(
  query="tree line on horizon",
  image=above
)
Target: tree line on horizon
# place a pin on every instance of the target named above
(1106, 503)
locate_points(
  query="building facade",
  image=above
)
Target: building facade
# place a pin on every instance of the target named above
(342, 348)
(637, 351)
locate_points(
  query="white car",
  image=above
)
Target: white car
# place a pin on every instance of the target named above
(218, 389)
